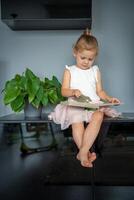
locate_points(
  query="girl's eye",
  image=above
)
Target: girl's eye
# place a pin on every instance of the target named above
(90, 59)
(82, 58)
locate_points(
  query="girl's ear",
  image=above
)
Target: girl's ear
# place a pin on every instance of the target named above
(74, 52)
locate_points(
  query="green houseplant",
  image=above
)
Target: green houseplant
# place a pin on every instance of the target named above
(29, 88)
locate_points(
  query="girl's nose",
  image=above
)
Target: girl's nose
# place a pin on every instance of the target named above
(86, 61)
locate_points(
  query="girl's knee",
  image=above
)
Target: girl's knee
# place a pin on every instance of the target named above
(99, 115)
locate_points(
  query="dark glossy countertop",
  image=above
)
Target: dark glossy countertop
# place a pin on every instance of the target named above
(20, 118)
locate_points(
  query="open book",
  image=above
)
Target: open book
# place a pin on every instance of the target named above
(87, 104)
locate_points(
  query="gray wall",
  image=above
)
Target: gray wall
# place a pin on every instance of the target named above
(47, 52)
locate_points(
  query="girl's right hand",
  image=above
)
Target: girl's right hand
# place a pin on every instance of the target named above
(76, 93)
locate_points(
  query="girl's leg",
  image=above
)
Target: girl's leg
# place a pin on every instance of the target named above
(89, 136)
(78, 132)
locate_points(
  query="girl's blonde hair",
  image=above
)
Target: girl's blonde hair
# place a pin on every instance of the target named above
(86, 42)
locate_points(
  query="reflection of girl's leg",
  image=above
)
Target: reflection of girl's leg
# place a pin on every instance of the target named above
(89, 137)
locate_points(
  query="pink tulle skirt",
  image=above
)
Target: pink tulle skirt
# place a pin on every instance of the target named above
(67, 115)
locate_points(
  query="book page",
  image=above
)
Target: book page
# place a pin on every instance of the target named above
(71, 102)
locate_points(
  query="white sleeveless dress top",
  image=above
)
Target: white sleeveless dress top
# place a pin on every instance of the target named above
(84, 80)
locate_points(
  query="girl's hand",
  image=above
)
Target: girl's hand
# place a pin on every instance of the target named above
(114, 100)
(76, 93)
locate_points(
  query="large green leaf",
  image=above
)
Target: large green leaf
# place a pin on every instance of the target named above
(23, 84)
(36, 103)
(45, 99)
(49, 83)
(11, 92)
(56, 82)
(18, 104)
(40, 93)
(18, 78)
(32, 88)
(53, 98)
(29, 74)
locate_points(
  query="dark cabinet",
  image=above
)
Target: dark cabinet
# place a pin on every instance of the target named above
(116, 165)
(46, 14)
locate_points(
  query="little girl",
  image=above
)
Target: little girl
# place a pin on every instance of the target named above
(83, 78)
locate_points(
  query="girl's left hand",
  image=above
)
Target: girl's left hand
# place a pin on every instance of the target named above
(114, 100)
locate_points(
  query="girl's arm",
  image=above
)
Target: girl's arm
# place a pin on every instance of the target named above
(65, 89)
(101, 93)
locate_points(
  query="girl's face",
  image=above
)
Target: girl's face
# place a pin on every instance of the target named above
(85, 58)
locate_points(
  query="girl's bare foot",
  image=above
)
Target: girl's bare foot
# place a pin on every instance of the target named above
(91, 156)
(84, 159)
